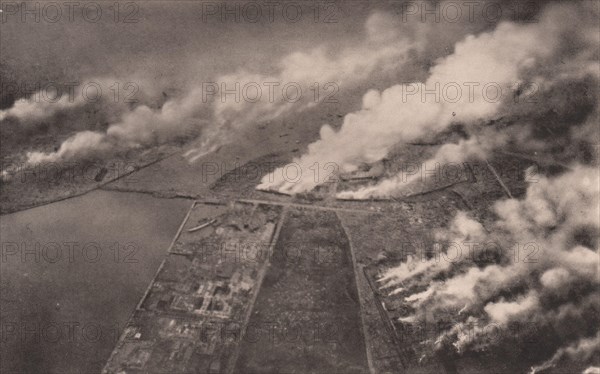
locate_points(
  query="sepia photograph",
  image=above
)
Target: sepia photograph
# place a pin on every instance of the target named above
(300, 187)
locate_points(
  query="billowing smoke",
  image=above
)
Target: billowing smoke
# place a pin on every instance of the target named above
(537, 265)
(476, 147)
(140, 127)
(53, 99)
(461, 88)
(553, 108)
(82, 144)
(303, 79)
(580, 351)
(34, 109)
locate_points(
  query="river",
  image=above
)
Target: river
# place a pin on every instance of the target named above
(71, 273)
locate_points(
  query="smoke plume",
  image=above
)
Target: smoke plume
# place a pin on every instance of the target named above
(541, 270)
(142, 126)
(300, 80)
(303, 79)
(480, 68)
(35, 109)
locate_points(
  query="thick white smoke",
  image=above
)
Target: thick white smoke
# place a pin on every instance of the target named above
(52, 99)
(36, 108)
(142, 126)
(580, 351)
(544, 270)
(306, 78)
(546, 88)
(476, 147)
(479, 68)
(384, 48)
(82, 144)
